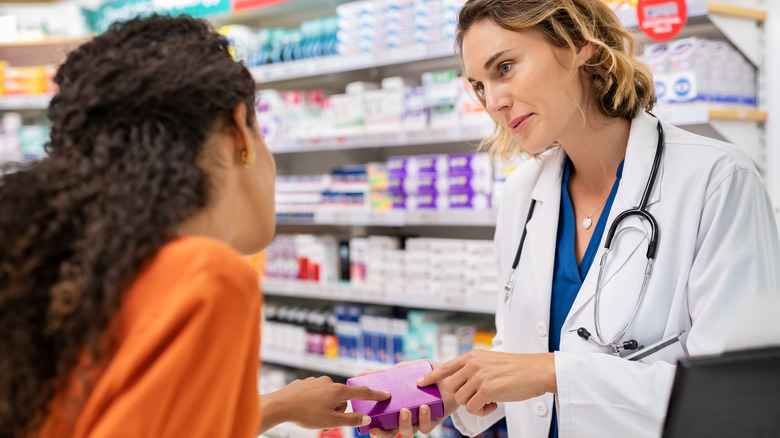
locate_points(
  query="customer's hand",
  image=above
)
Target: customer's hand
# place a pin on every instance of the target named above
(315, 403)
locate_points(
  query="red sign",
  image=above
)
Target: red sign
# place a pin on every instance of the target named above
(245, 5)
(661, 20)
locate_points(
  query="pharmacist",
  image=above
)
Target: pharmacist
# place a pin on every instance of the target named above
(588, 337)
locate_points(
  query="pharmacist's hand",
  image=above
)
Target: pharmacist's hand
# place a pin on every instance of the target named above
(318, 403)
(481, 378)
(425, 424)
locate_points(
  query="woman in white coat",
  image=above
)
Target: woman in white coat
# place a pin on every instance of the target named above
(561, 83)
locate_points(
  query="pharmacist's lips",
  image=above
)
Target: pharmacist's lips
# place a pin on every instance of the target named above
(514, 123)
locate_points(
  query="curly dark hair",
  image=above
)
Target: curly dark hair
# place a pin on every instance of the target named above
(129, 124)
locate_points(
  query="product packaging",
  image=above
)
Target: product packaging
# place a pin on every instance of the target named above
(401, 383)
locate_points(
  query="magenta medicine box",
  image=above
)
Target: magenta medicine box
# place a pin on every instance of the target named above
(401, 383)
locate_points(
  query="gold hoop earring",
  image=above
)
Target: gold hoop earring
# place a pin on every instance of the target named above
(247, 158)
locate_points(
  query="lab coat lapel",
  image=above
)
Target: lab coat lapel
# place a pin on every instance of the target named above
(636, 170)
(543, 227)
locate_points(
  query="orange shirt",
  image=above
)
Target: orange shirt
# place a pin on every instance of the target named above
(187, 353)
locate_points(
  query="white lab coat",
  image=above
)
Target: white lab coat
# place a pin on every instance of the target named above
(718, 247)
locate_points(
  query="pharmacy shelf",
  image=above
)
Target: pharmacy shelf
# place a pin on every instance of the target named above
(740, 126)
(375, 294)
(680, 114)
(39, 52)
(25, 102)
(473, 132)
(696, 113)
(335, 366)
(392, 218)
(739, 24)
(326, 65)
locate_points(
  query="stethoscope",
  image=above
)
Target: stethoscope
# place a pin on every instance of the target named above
(614, 345)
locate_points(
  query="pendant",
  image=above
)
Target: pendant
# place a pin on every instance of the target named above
(586, 223)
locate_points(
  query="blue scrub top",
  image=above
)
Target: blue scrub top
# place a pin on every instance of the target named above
(567, 276)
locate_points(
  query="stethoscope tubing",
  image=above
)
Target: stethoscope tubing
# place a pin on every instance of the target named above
(652, 247)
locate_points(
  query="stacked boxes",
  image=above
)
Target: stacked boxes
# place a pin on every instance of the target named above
(452, 268)
(442, 90)
(418, 182)
(471, 181)
(694, 69)
(441, 182)
(349, 189)
(376, 25)
(397, 104)
(369, 333)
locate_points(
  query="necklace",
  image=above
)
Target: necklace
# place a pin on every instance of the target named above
(587, 222)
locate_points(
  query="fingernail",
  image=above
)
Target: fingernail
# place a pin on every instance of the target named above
(404, 415)
(388, 393)
(365, 421)
(424, 409)
(419, 381)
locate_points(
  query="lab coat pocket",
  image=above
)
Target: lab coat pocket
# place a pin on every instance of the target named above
(666, 350)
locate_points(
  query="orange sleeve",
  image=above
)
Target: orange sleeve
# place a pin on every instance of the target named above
(187, 368)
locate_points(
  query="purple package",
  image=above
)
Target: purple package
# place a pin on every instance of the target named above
(401, 382)
(471, 164)
(469, 200)
(434, 164)
(401, 165)
(431, 200)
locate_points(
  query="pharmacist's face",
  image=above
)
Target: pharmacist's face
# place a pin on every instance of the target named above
(528, 85)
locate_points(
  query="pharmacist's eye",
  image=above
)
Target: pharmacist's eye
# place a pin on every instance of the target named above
(504, 68)
(479, 89)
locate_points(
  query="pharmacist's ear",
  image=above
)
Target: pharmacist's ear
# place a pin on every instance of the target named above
(584, 52)
(242, 133)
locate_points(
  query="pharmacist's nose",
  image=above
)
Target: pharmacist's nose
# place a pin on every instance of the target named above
(496, 98)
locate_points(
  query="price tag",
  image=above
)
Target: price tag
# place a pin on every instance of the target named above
(661, 20)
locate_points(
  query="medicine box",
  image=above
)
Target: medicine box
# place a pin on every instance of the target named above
(401, 383)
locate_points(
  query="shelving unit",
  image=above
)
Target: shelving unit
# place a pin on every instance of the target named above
(36, 102)
(307, 68)
(741, 24)
(38, 52)
(392, 218)
(333, 367)
(376, 294)
(431, 136)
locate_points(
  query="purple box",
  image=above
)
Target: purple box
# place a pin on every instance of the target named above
(469, 200)
(396, 184)
(470, 183)
(401, 165)
(431, 201)
(432, 183)
(401, 382)
(435, 164)
(400, 201)
(473, 164)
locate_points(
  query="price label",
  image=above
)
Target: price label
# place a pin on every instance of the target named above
(661, 20)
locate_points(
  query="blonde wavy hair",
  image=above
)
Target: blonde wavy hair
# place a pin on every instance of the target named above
(620, 85)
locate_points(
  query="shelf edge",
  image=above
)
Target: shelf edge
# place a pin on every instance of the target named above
(736, 11)
(737, 114)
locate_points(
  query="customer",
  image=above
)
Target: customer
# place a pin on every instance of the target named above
(125, 309)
